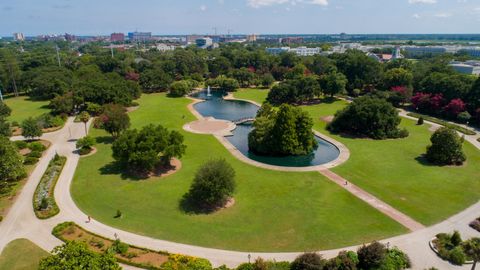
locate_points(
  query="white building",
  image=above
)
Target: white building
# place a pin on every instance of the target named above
(471, 68)
(301, 51)
(164, 47)
(18, 36)
(204, 43)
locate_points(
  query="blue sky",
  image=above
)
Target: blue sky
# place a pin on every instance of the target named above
(91, 17)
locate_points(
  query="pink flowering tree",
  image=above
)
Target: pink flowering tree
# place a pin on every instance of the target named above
(454, 107)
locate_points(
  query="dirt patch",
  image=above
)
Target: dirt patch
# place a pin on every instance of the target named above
(164, 171)
(16, 131)
(132, 109)
(327, 119)
(24, 151)
(434, 128)
(92, 152)
(230, 202)
(134, 255)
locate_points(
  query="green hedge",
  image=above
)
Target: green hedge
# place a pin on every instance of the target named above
(443, 123)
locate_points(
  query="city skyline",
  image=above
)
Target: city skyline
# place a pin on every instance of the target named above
(239, 16)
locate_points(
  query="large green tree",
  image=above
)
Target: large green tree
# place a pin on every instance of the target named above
(11, 164)
(333, 83)
(143, 150)
(368, 116)
(446, 147)
(397, 77)
(31, 129)
(75, 255)
(286, 132)
(213, 185)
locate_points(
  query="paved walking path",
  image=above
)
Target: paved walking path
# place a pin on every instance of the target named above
(21, 222)
(373, 201)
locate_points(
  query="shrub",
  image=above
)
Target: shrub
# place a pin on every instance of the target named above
(446, 148)
(368, 116)
(36, 146)
(119, 247)
(31, 129)
(21, 144)
(176, 262)
(30, 161)
(43, 204)
(396, 259)
(15, 124)
(308, 261)
(371, 256)
(34, 154)
(49, 121)
(346, 260)
(213, 184)
(420, 121)
(93, 108)
(118, 214)
(457, 256)
(85, 144)
(180, 88)
(464, 117)
(245, 266)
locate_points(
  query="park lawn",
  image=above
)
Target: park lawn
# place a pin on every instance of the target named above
(274, 211)
(23, 107)
(394, 171)
(255, 94)
(21, 254)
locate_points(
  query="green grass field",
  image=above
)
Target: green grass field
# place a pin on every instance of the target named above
(21, 254)
(23, 107)
(274, 211)
(394, 171)
(257, 95)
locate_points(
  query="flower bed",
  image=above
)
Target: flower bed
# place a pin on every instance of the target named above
(128, 254)
(43, 200)
(443, 123)
(449, 248)
(475, 224)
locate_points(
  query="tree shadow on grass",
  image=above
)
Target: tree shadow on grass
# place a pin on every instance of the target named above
(422, 159)
(189, 206)
(104, 140)
(117, 168)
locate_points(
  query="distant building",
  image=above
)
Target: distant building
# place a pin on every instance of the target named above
(468, 67)
(191, 39)
(473, 52)
(397, 53)
(417, 51)
(140, 36)
(291, 40)
(70, 37)
(301, 51)
(164, 47)
(18, 37)
(204, 43)
(117, 37)
(252, 38)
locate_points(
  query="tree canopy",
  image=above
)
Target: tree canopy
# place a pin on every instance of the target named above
(368, 116)
(143, 150)
(446, 147)
(287, 131)
(114, 119)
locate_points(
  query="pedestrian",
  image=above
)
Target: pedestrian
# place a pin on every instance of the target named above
(346, 183)
(115, 236)
(89, 219)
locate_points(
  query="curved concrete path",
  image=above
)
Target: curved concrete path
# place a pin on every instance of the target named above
(21, 222)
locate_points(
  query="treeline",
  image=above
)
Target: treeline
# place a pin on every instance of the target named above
(97, 77)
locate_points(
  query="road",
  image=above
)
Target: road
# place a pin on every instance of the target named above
(21, 221)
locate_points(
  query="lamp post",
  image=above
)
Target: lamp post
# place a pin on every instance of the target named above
(1, 96)
(249, 256)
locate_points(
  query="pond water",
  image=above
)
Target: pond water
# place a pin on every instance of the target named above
(232, 110)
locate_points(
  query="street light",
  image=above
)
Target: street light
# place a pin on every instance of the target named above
(249, 256)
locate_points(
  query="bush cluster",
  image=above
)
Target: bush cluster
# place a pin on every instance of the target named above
(449, 247)
(368, 116)
(475, 224)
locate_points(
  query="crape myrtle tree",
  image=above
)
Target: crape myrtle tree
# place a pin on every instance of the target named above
(287, 131)
(368, 116)
(76, 255)
(213, 185)
(446, 148)
(143, 150)
(114, 119)
(31, 129)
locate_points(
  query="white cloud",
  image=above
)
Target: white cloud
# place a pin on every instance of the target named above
(265, 3)
(203, 8)
(416, 16)
(443, 15)
(422, 1)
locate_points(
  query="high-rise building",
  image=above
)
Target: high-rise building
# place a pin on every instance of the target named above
(70, 37)
(140, 36)
(18, 36)
(117, 37)
(252, 38)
